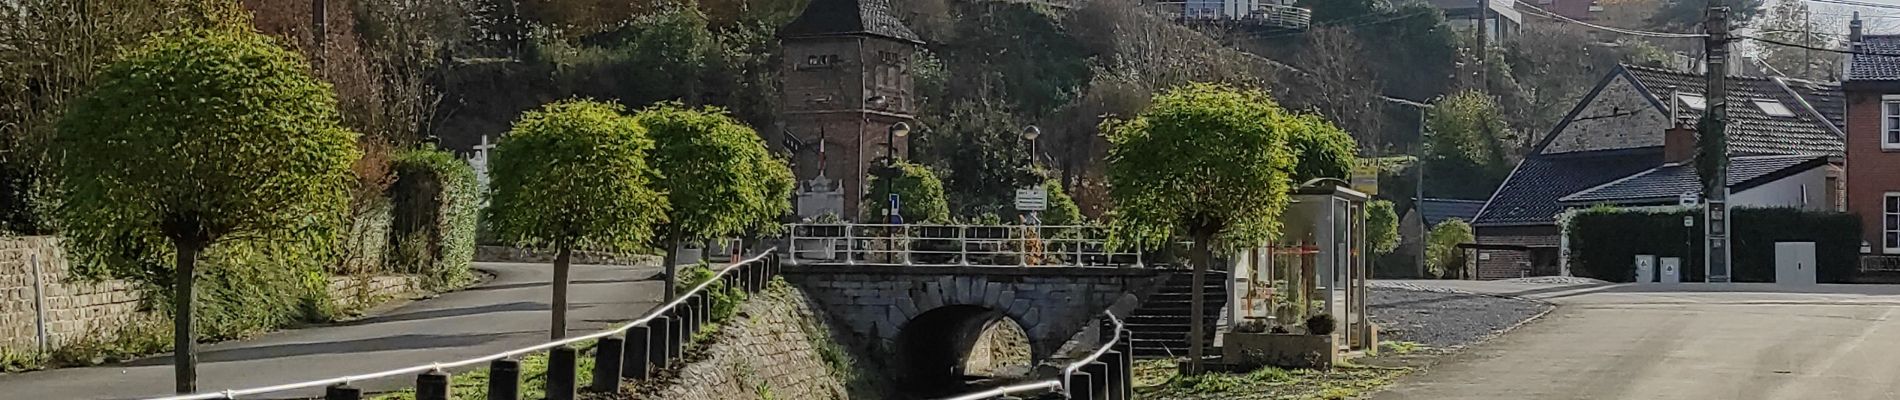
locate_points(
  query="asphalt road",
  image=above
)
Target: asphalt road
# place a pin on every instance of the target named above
(505, 313)
(1695, 341)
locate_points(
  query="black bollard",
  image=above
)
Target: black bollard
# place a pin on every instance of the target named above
(342, 391)
(561, 373)
(1099, 379)
(607, 364)
(1127, 350)
(659, 337)
(1117, 375)
(633, 354)
(432, 385)
(504, 379)
(1079, 386)
(676, 337)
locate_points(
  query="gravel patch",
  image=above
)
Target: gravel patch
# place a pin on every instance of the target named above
(1557, 280)
(1445, 318)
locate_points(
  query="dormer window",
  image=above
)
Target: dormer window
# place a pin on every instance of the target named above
(1692, 102)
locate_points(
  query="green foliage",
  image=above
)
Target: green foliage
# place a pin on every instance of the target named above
(981, 152)
(1468, 147)
(1324, 150)
(1604, 240)
(1204, 160)
(725, 299)
(1061, 208)
(437, 202)
(715, 171)
(575, 174)
(1382, 227)
(1442, 254)
(1684, 15)
(215, 144)
(919, 192)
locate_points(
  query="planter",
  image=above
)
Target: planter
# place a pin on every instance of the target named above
(1247, 351)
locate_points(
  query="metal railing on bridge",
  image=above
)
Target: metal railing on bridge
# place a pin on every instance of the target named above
(955, 245)
(1106, 373)
(649, 344)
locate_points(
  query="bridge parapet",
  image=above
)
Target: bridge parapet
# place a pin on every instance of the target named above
(955, 245)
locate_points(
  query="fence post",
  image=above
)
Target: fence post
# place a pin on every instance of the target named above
(1126, 347)
(963, 245)
(676, 335)
(432, 385)
(659, 338)
(1099, 379)
(1117, 373)
(504, 379)
(560, 384)
(633, 353)
(1078, 386)
(342, 391)
(607, 364)
(850, 246)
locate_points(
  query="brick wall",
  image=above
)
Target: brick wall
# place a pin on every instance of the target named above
(1504, 264)
(770, 353)
(72, 307)
(1871, 172)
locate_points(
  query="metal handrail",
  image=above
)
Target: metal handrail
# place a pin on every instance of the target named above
(437, 366)
(1045, 385)
(956, 245)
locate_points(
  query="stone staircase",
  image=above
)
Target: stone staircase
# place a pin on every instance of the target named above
(1160, 326)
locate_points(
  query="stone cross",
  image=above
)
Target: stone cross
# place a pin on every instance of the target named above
(479, 161)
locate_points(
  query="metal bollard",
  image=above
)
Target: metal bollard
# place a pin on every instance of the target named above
(676, 336)
(432, 385)
(1117, 375)
(633, 354)
(342, 391)
(1099, 379)
(1127, 350)
(560, 385)
(504, 379)
(607, 364)
(1079, 385)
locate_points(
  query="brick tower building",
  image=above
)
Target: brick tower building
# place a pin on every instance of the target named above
(846, 82)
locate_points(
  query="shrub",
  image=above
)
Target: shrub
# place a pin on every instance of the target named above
(435, 206)
(1603, 242)
(1320, 324)
(920, 195)
(1442, 254)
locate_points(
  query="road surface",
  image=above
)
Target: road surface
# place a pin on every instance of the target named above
(508, 312)
(1691, 341)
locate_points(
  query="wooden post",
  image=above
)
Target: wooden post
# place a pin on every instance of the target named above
(433, 385)
(504, 379)
(635, 358)
(342, 391)
(607, 364)
(560, 384)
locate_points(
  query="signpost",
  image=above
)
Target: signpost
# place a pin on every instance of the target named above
(1032, 200)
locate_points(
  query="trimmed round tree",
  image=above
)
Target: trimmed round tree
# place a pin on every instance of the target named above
(574, 175)
(1321, 148)
(1204, 161)
(919, 194)
(1382, 227)
(195, 138)
(718, 177)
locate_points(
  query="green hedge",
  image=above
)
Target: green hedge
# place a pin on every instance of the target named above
(436, 202)
(1604, 242)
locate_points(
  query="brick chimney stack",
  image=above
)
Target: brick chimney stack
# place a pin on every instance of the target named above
(1853, 30)
(1679, 144)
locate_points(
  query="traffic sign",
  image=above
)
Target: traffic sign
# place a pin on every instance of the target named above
(1032, 199)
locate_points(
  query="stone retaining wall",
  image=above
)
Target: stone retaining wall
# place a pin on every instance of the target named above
(516, 254)
(772, 352)
(70, 306)
(352, 294)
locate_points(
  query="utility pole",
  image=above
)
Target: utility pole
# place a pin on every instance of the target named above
(1715, 186)
(1484, 51)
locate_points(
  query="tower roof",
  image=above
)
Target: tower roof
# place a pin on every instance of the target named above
(848, 17)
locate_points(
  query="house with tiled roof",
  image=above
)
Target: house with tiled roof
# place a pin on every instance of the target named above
(1630, 143)
(1420, 218)
(1872, 85)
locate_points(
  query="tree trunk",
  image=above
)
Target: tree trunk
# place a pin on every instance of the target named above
(1197, 331)
(672, 263)
(558, 330)
(184, 359)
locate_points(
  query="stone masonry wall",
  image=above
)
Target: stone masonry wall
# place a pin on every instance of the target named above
(770, 351)
(72, 307)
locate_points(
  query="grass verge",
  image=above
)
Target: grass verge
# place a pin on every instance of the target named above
(1160, 379)
(534, 378)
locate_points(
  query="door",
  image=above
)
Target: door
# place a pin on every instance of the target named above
(1794, 263)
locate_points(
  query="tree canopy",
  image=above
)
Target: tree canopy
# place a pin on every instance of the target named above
(199, 136)
(1469, 148)
(714, 170)
(1382, 227)
(919, 191)
(1323, 150)
(575, 174)
(1442, 255)
(1205, 160)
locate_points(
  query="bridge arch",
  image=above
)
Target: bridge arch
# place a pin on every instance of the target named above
(934, 349)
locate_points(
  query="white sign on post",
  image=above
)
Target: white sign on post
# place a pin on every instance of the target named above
(1032, 199)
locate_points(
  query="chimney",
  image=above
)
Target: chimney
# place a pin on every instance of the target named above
(1853, 30)
(1679, 144)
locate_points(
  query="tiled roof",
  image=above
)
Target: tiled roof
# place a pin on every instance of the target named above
(1869, 67)
(1826, 98)
(1752, 131)
(1671, 180)
(1439, 210)
(1529, 196)
(848, 17)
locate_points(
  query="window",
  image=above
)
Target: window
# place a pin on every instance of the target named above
(1773, 108)
(1693, 102)
(1890, 122)
(1890, 223)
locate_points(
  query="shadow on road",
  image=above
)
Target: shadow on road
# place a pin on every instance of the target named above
(544, 284)
(398, 342)
(450, 312)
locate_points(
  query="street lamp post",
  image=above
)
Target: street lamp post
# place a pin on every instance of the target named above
(1030, 133)
(897, 130)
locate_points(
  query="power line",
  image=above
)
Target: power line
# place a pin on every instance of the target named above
(1547, 14)
(1859, 4)
(1801, 46)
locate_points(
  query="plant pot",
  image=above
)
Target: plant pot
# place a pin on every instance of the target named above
(1247, 351)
